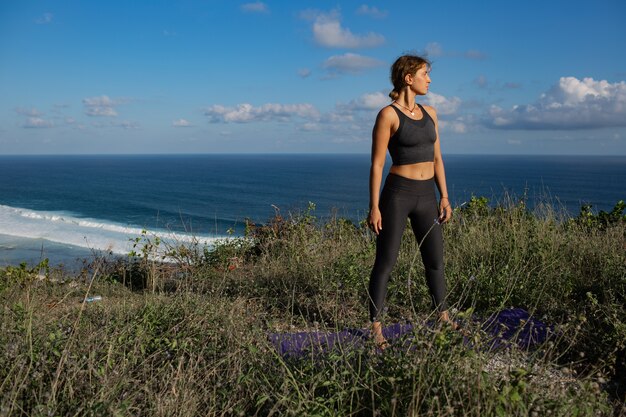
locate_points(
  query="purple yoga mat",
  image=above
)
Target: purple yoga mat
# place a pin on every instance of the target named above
(511, 326)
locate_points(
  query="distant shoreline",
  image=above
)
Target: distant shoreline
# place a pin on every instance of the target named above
(15, 250)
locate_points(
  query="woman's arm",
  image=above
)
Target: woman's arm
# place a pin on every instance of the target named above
(445, 210)
(380, 139)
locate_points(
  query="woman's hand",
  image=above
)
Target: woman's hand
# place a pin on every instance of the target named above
(445, 210)
(375, 220)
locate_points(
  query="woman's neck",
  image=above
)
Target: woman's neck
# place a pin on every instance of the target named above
(406, 98)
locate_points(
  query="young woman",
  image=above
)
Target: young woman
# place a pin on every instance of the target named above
(409, 131)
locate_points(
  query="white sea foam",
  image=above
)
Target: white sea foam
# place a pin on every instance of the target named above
(84, 232)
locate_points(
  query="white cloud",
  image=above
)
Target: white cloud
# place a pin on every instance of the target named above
(44, 19)
(443, 105)
(37, 122)
(455, 126)
(245, 113)
(372, 11)
(328, 32)
(101, 111)
(102, 101)
(304, 72)
(181, 123)
(340, 115)
(359, 113)
(370, 101)
(350, 63)
(256, 7)
(32, 112)
(100, 106)
(310, 126)
(434, 49)
(570, 104)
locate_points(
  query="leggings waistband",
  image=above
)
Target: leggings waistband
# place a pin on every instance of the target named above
(419, 187)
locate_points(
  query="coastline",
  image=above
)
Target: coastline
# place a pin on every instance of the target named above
(15, 250)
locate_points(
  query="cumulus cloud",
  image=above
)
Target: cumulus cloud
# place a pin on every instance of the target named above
(100, 106)
(371, 11)
(44, 19)
(570, 104)
(328, 32)
(246, 113)
(350, 63)
(370, 101)
(357, 112)
(360, 113)
(256, 7)
(456, 126)
(443, 105)
(181, 123)
(37, 122)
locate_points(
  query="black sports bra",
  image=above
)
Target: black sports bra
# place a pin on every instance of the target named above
(414, 141)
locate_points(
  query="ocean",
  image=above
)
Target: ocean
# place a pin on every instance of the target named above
(66, 208)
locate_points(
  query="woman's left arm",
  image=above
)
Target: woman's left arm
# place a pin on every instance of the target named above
(445, 210)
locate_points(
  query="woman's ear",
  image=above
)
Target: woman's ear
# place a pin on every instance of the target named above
(408, 79)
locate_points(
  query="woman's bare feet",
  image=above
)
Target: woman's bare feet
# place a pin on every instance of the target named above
(444, 317)
(377, 335)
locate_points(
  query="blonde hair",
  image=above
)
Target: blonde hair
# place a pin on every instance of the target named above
(406, 64)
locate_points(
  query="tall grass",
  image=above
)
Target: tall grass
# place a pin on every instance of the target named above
(190, 338)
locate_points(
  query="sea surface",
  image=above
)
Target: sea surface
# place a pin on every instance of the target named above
(68, 207)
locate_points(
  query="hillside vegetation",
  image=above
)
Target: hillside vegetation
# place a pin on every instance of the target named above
(183, 330)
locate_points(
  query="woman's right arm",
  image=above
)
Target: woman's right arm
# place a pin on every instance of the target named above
(380, 139)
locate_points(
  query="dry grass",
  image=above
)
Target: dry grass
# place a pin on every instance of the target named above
(195, 342)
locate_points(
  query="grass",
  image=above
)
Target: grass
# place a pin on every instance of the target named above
(190, 337)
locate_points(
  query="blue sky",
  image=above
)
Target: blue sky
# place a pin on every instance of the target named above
(532, 77)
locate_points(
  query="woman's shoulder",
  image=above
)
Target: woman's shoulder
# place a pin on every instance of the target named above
(387, 109)
(387, 113)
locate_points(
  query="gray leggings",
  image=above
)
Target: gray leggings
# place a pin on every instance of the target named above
(401, 198)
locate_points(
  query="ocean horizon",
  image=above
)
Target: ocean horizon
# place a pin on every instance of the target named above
(66, 207)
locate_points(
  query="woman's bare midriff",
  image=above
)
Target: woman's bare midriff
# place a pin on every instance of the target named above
(419, 171)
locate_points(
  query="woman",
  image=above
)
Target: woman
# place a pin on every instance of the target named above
(410, 132)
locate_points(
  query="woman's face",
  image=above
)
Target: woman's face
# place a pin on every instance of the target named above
(421, 80)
